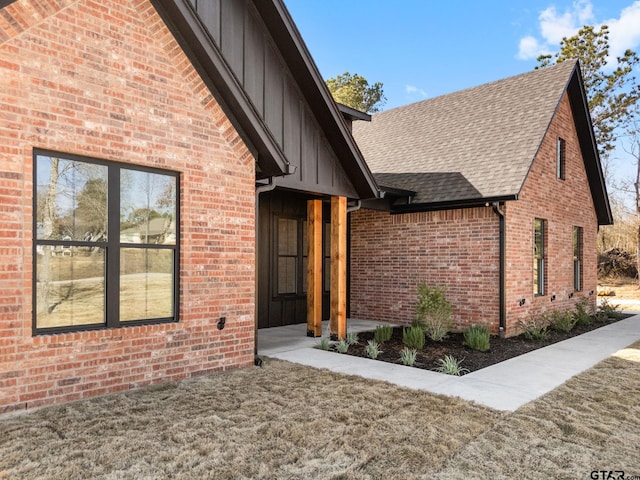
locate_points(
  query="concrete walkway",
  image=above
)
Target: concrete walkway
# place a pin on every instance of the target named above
(505, 386)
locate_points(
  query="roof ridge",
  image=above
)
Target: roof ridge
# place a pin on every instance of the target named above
(556, 66)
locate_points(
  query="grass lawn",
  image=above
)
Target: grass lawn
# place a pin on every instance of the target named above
(286, 421)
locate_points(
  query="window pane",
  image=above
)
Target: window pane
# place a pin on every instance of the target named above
(287, 236)
(70, 286)
(147, 207)
(71, 200)
(287, 275)
(146, 284)
(577, 258)
(538, 257)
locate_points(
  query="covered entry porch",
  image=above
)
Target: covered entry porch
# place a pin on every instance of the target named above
(302, 262)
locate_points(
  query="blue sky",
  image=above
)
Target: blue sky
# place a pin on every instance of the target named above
(420, 49)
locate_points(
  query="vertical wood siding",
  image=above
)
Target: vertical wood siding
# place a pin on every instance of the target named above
(247, 46)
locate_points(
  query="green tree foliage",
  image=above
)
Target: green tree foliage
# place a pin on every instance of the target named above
(354, 91)
(612, 90)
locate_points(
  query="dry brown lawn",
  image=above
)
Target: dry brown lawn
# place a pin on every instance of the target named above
(287, 421)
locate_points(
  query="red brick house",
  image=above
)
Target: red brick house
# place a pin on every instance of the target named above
(174, 174)
(138, 141)
(495, 192)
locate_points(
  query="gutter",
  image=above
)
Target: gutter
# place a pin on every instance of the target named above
(269, 186)
(502, 287)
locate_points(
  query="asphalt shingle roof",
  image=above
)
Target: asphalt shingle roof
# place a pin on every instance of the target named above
(472, 144)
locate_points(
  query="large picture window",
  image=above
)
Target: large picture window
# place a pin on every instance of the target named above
(106, 244)
(538, 256)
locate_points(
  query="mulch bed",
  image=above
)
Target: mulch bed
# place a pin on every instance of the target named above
(501, 348)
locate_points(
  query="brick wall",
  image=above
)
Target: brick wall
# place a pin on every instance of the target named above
(458, 249)
(563, 204)
(392, 254)
(106, 79)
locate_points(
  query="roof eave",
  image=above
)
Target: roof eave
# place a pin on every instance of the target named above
(453, 204)
(289, 41)
(586, 137)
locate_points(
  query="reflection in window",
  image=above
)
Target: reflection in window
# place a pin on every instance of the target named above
(81, 274)
(147, 207)
(72, 200)
(70, 286)
(146, 283)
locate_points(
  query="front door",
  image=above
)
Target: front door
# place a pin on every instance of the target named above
(282, 260)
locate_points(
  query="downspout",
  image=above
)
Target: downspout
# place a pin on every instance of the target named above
(355, 207)
(261, 189)
(502, 288)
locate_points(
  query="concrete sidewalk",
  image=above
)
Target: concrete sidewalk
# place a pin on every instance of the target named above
(505, 386)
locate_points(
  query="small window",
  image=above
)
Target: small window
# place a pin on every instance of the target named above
(291, 256)
(560, 160)
(577, 258)
(539, 227)
(105, 243)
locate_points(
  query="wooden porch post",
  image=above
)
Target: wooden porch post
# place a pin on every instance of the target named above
(338, 319)
(314, 268)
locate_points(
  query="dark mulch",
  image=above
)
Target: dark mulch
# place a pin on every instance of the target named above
(501, 348)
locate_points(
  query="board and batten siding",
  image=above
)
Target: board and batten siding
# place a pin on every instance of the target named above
(250, 52)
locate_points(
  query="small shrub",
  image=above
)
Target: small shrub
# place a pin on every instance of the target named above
(413, 337)
(324, 343)
(582, 312)
(418, 323)
(408, 356)
(451, 366)
(433, 312)
(536, 328)
(352, 338)
(383, 333)
(608, 310)
(563, 321)
(477, 337)
(342, 346)
(372, 349)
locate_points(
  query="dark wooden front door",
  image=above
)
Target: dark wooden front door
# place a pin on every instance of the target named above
(282, 260)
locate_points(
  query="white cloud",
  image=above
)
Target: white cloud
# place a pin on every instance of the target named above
(415, 91)
(529, 48)
(555, 25)
(624, 31)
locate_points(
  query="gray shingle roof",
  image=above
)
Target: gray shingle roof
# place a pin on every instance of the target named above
(472, 144)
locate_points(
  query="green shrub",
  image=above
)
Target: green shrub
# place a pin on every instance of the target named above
(536, 328)
(413, 337)
(408, 356)
(563, 320)
(373, 349)
(477, 337)
(324, 343)
(433, 312)
(608, 310)
(451, 366)
(383, 333)
(582, 312)
(342, 346)
(352, 338)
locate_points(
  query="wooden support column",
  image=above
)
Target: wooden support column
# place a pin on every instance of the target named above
(314, 268)
(338, 319)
